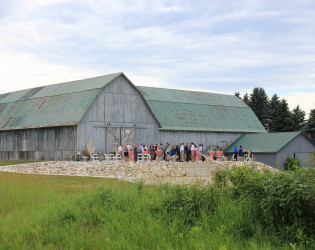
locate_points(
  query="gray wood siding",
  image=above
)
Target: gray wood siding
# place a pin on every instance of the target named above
(38, 144)
(268, 158)
(118, 105)
(299, 147)
(205, 138)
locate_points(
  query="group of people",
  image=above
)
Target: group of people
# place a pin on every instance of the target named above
(180, 152)
(239, 152)
(183, 152)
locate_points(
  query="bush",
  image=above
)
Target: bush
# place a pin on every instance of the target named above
(292, 164)
(284, 201)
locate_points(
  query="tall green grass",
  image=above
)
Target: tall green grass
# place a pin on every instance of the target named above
(230, 214)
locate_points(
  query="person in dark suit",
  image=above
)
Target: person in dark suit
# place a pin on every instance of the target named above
(186, 152)
(135, 152)
(178, 151)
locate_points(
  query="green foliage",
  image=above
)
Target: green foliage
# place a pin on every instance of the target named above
(258, 101)
(310, 161)
(273, 108)
(310, 126)
(246, 98)
(292, 163)
(244, 209)
(298, 119)
(284, 201)
(282, 121)
(188, 202)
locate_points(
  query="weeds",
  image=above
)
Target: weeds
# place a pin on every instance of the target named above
(244, 209)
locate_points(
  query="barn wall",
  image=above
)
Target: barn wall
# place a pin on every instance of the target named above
(119, 106)
(269, 159)
(299, 147)
(205, 138)
(38, 144)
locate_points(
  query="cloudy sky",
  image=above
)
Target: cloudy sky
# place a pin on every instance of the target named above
(217, 46)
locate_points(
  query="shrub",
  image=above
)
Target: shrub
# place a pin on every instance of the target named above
(187, 203)
(292, 164)
(284, 201)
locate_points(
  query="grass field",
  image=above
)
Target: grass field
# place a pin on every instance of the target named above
(49, 212)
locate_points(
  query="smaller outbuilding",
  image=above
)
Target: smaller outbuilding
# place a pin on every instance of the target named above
(274, 148)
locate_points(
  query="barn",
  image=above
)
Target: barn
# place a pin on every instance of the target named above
(54, 121)
(274, 148)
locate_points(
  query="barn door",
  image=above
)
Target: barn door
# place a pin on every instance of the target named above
(128, 136)
(113, 138)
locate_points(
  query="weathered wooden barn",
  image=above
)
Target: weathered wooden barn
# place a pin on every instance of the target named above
(51, 122)
(274, 148)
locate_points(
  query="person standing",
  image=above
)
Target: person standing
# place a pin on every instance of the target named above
(235, 152)
(178, 151)
(192, 150)
(119, 149)
(168, 153)
(152, 153)
(141, 148)
(182, 152)
(240, 151)
(135, 152)
(186, 152)
(200, 149)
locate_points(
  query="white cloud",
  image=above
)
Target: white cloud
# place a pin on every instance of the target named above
(305, 100)
(220, 46)
(24, 70)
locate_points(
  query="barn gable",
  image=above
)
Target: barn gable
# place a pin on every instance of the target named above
(118, 115)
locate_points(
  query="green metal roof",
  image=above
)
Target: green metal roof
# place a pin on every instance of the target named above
(201, 111)
(65, 104)
(61, 104)
(263, 143)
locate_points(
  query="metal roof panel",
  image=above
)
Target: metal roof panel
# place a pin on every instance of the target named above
(201, 111)
(263, 143)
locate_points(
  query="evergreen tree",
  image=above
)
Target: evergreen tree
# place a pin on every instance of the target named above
(310, 125)
(258, 101)
(238, 94)
(273, 107)
(298, 119)
(246, 98)
(282, 121)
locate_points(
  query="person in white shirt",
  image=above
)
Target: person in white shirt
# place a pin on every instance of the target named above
(119, 149)
(200, 152)
(192, 149)
(182, 150)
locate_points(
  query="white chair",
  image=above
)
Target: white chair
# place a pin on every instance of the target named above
(117, 157)
(146, 157)
(140, 157)
(94, 157)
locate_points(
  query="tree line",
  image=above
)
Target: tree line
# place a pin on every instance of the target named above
(275, 115)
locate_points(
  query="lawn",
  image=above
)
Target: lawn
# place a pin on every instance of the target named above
(49, 212)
